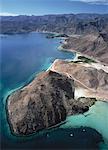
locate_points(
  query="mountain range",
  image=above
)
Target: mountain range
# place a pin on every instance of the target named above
(66, 23)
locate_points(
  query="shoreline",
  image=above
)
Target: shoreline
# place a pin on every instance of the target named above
(77, 53)
(81, 54)
(98, 64)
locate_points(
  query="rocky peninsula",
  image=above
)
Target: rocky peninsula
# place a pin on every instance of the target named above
(67, 88)
(45, 102)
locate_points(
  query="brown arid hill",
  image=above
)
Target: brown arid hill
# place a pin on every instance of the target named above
(93, 45)
(86, 76)
(45, 102)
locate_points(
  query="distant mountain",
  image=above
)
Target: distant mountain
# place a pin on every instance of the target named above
(66, 23)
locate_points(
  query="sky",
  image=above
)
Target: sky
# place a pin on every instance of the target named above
(43, 7)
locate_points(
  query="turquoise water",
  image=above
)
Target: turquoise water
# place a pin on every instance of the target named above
(22, 57)
(96, 117)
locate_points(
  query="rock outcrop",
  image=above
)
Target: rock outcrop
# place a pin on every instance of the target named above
(45, 102)
(41, 104)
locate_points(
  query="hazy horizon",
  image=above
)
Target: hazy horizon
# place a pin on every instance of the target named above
(52, 14)
(47, 7)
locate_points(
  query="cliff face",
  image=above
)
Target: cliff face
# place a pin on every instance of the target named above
(45, 102)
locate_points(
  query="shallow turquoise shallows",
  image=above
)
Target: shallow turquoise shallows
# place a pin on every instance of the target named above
(96, 117)
(22, 57)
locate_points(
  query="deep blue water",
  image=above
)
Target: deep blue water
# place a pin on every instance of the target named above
(22, 57)
(25, 54)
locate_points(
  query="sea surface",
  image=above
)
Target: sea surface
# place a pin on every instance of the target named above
(22, 57)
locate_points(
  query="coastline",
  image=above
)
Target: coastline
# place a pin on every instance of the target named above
(86, 67)
(66, 50)
(81, 54)
(77, 53)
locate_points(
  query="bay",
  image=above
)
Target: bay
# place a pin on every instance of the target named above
(22, 57)
(25, 54)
